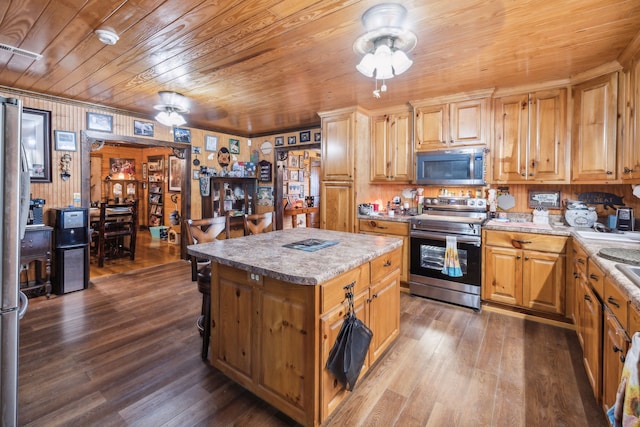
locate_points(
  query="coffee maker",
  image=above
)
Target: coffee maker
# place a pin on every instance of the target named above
(35, 211)
(624, 219)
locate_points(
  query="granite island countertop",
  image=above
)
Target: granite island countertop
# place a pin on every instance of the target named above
(265, 254)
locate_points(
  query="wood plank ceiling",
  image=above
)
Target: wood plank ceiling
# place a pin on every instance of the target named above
(264, 66)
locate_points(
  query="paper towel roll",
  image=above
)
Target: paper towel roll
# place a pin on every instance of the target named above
(636, 190)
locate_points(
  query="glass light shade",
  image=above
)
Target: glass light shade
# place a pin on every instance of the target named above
(367, 65)
(383, 63)
(400, 62)
(170, 118)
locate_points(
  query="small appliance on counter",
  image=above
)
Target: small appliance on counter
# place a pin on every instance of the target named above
(35, 211)
(624, 219)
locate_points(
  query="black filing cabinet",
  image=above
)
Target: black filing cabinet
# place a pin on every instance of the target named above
(71, 243)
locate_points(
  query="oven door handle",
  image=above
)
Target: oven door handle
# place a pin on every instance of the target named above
(474, 240)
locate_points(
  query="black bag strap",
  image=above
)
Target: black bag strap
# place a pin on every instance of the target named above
(348, 295)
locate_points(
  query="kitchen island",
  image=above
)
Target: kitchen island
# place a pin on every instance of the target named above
(277, 304)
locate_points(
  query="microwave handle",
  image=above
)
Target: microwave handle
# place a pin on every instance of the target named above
(474, 240)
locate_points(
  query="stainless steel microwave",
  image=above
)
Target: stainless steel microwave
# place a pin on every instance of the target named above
(464, 166)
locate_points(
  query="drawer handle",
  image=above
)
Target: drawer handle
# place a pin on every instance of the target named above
(387, 264)
(594, 277)
(523, 242)
(580, 261)
(381, 227)
(613, 302)
(587, 298)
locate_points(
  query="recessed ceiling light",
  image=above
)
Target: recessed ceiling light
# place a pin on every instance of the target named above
(107, 36)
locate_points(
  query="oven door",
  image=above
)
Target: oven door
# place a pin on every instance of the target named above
(428, 251)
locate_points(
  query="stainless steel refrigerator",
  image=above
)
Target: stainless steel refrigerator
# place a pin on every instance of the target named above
(14, 187)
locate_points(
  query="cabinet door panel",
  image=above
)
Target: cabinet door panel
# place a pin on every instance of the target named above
(467, 123)
(234, 326)
(401, 151)
(336, 207)
(431, 128)
(285, 327)
(594, 131)
(615, 345)
(547, 139)
(337, 147)
(592, 335)
(384, 315)
(380, 161)
(543, 280)
(510, 145)
(503, 275)
(332, 390)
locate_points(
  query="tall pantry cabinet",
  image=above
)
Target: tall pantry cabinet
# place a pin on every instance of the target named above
(345, 137)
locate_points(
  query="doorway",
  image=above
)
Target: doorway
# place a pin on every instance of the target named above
(297, 186)
(100, 153)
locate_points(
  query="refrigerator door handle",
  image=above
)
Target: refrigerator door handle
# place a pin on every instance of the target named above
(24, 304)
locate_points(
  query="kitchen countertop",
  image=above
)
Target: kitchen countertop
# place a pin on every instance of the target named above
(265, 254)
(383, 216)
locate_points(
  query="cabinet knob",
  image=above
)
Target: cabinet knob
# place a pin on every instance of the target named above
(627, 170)
(387, 263)
(609, 173)
(526, 258)
(518, 257)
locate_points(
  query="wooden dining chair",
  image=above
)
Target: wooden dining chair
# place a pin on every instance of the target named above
(258, 223)
(203, 231)
(115, 231)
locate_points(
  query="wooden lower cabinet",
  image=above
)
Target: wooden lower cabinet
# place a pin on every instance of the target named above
(525, 270)
(274, 337)
(336, 209)
(591, 329)
(615, 346)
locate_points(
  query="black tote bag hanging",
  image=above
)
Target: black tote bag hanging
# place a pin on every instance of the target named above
(350, 349)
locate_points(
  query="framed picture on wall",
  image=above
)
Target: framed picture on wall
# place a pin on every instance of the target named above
(305, 136)
(176, 167)
(211, 143)
(279, 140)
(181, 135)
(65, 140)
(100, 122)
(36, 140)
(142, 128)
(291, 140)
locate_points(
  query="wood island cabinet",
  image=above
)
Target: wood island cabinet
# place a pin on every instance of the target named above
(274, 337)
(525, 270)
(530, 137)
(391, 150)
(594, 134)
(449, 125)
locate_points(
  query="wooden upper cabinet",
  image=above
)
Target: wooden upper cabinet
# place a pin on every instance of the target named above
(431, 130)
(530, 141)
(391, 151)
(467, 122)
(630, 161)
(595, 111)
(338, 147)
(455, 124)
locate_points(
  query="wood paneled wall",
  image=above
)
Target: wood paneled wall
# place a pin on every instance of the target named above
(70, 116)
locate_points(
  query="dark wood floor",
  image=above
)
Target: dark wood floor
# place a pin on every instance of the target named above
(126, 351)
(149, 252)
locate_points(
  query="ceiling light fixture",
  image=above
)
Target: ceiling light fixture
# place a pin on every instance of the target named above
(173, 106)
(385, 44)
(107, 36)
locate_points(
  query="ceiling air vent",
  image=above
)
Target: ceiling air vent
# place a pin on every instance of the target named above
(17, 51)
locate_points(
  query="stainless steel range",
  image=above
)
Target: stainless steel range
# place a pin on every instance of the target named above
(460, 219)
